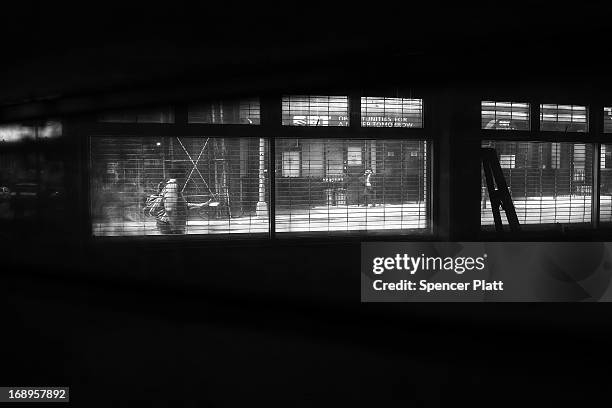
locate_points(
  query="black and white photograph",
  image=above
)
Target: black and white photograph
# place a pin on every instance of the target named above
(303, 205)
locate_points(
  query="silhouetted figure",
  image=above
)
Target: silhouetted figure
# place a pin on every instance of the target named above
(170, 208)
(368, 190)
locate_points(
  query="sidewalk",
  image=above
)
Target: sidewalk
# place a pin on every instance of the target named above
(551, 210)
(321, 218)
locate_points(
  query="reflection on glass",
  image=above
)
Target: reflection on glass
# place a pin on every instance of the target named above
(175, 185)
(350, 185)
(32, 183)
(304, 110)
(391, 112)
(504, 115)
(563, 118)
(159, 115)
(32, 189)
(23, 132)
(607, 120)
(605, 197)
(549, 183)
(240, 112)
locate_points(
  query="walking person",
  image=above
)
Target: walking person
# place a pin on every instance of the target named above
(368, 190)
(170, 208)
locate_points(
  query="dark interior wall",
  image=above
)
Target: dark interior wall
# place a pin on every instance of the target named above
(57, 52)
(66, 63)
(287, 268)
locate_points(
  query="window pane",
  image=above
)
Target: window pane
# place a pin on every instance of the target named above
(563, 118)
(391, 112)
(605, 198)
(164, 115)
(607, 120)
(32, 179)
(504, 115)
(352, 185)
(291, 164)
(549, 182)
(172, 185)
(302, 110)
(240, 112)
(23, 132)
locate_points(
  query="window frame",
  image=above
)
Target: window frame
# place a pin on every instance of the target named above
(587, 117)
(502, 100)
(270, 128)
(593, 136)
(423, 123)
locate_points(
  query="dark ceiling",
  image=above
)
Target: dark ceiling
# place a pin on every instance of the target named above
(52, 52)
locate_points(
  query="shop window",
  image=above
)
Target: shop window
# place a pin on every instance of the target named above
(391, 112)
(176, 185)
(550, 183)
(239, 112)
(305, 110)
(366, 185)
(291, 164)
(563, 118)
(504, 115)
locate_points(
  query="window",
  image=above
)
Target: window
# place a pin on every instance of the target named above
(301, 110)
(549, 182)
(563, 118)
(555, 155)
(580, 162)
(24, 132)
(312, 157)
(391, 112)
(163, 115)
(241, 112)
(607, 120)
(605, 187)
(365, 185)
(507, 161)
(353, 155)
(291, 164)
(504, 115)
(179, 185)
(32, 178)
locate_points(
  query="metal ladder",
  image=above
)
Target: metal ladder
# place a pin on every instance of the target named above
(498, 190)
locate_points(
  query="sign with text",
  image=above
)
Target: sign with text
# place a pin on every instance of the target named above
(486, 271)
(390, 121)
